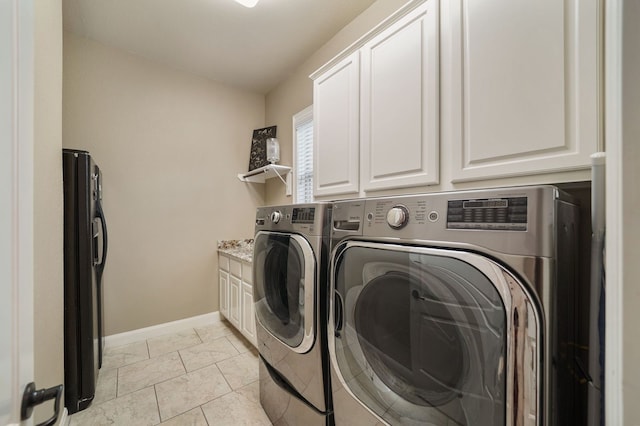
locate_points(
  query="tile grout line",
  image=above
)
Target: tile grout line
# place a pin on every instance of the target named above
(197, 335)
(213, 363)
(182, 361)
(226, 381)
(162, 381)
(204, 415)
(204, 403)
(155, 391)
(174, 350)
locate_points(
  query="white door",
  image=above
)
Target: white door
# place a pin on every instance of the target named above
(16, 201)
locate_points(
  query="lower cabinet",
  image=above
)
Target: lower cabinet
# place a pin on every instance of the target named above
(236, 295)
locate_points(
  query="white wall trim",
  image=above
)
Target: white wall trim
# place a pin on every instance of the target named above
(64, 418)
(160, 329)
(614, 371)
(16, 199)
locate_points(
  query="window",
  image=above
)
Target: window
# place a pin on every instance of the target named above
(303, 137)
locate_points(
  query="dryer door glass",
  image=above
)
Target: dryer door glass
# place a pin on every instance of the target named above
(422, 336)
(282, 270)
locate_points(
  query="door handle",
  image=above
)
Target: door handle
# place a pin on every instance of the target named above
(100, 215)
(33, 397)
(337, 314)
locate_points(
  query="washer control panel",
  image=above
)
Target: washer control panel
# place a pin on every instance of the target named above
(514, 220)
(397, 216)
(276, 216)
(508, 214)
(424, 214)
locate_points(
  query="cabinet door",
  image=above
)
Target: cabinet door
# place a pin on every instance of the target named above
(400, 103)
(234, 300)
(248, 326)
(336, 134)
(223, 282)
(520, 86)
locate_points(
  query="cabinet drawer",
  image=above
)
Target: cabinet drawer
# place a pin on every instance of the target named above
(223, 262)
(235, 268)
(247, 273)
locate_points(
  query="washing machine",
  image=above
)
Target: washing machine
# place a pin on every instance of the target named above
(453, 308)
(290, 290)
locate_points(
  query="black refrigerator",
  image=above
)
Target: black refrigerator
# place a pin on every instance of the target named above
(85, 253)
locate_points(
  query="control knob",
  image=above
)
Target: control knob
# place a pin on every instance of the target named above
(276, 216)
(398, 216)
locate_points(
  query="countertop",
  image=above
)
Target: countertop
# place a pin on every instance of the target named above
(240, 249)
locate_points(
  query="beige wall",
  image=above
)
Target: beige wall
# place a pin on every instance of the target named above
(48, 273)
(170, 145)
(296, 93)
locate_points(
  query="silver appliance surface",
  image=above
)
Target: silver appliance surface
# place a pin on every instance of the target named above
(452, 308)
(290, 264)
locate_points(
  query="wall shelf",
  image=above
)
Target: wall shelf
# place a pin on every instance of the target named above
(264, 173)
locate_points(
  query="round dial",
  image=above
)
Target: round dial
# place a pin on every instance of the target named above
(397, 216)
(276, 216)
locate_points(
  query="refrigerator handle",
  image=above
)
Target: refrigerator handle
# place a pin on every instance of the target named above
(100, 214)
(33, 397)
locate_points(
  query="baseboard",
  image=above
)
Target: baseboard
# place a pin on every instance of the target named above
(160, 329)
(64, 418)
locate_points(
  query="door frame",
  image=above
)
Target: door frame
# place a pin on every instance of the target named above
(16, 194)
(622, 131)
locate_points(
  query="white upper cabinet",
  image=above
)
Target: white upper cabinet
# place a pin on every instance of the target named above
(336, 128)
(447, 92)
(400, 104)
(519, 86)
(376, 110)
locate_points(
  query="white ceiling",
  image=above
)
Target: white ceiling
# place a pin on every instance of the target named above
(254, 48)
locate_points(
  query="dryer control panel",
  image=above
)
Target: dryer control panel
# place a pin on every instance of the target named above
(509, 214)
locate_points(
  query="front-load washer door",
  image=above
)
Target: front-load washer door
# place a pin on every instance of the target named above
(284, 285)
(433, 336)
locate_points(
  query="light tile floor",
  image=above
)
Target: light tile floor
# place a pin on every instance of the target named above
(202, 376)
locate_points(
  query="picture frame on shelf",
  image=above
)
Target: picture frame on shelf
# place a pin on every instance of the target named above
(258, 154)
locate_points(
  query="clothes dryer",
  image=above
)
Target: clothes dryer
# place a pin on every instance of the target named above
(453, 308)
(290, 265)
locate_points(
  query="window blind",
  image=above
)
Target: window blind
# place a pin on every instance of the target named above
(303, 129)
